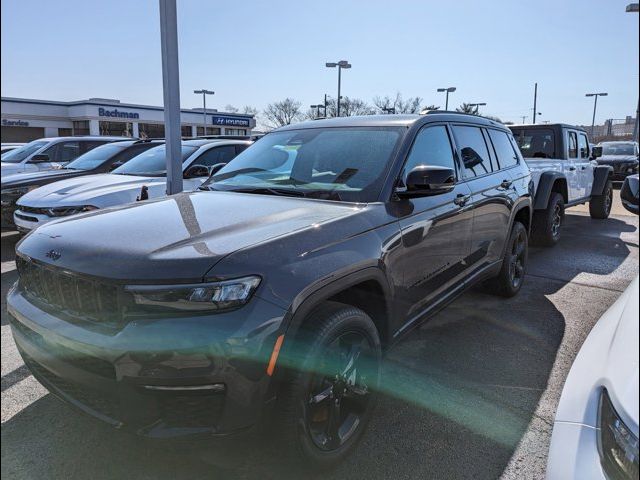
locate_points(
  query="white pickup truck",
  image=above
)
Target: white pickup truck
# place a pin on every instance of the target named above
(565, 173)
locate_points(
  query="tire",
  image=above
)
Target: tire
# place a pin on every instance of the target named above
(546, 225)
(323, 385)
(600, 205)
(511, 277)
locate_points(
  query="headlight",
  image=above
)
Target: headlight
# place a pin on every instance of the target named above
(214, 296)
(66, 211)
(617, 445)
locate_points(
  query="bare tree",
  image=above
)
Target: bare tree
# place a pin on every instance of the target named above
(431, 107)
(468, 108)
(398, 104)
(284, 112)
(348, 107)
(231, 109)
(249, 110)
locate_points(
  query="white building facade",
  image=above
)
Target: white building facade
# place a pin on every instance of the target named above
(24, 119)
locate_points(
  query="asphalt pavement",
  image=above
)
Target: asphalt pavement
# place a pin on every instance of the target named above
(474, 391)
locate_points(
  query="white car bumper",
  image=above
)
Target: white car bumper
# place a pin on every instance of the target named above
(27, 221)
(574, 453)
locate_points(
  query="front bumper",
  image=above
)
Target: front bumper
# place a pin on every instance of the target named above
(622, 170)
(27, 221)
(574, 453)
(115, 377)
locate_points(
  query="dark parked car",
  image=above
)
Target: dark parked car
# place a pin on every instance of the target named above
(272, 292)
(629, 194)
(98, 160)
(622, 156)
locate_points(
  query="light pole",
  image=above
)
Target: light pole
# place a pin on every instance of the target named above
(477, 105)
(317, 107)
(204, 94)
(448, 90)
(595, 105)
(341, 64)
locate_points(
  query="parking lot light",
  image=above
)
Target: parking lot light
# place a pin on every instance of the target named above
(341, 64)
(204, 93)
(447, 90)
(595, 105)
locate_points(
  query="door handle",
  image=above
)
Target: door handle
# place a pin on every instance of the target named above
(506, 183)
(461, 199)
(584, 168)
(572, 169)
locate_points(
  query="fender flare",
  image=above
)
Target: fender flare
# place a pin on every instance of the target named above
(545, 187)
(314, 295)
(601, 175)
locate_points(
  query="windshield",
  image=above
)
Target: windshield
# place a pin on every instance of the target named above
(96, 157)
(334, 163)
(618, 149)
(151, 163)
(19, 154)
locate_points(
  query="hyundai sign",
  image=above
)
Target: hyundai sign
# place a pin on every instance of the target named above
(229, 121)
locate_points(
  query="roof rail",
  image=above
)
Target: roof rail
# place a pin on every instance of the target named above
(219, 137)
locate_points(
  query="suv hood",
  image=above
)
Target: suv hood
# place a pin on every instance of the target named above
(174, 239)
(35, 178)
(100, 190)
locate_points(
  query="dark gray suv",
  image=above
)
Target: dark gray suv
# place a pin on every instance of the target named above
(272, 293)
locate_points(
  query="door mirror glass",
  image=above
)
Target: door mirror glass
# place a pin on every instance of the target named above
(39, 158)
(195, 171)
(596, 152)
(427, 180)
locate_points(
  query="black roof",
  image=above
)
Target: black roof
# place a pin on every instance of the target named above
(402, 120)
(546, 125)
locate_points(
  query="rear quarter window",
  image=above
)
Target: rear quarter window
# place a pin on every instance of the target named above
(536, 142)
(507, 156)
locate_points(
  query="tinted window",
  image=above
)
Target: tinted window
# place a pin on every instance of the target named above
(431, 147)
(473, 151)
(507, 157)
(63, 152)
(347, 164)
(535, 142)
(152, 162)
(216, 155)
(573, 145)
(583, 144)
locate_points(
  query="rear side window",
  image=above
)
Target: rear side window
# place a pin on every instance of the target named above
(216, 155)
(473, 151)
(536, 142)
(507, 156)
(573, 145)
(431, 147)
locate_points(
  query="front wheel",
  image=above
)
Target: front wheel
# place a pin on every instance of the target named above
(600, 205)
(511, 277)
(328, 400)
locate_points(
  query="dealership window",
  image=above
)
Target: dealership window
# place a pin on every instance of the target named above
(65, 132)
(151, 130)
(210, 131)
(236, 131)
(185, 130)
(116, 128)
(81, 127)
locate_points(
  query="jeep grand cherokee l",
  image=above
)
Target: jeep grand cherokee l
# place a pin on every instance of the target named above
(271, 293)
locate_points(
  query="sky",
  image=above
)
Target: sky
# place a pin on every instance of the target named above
(257, 52)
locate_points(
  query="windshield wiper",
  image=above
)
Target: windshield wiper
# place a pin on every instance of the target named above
(269, 191)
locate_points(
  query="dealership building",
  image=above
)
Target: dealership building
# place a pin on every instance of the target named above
(25, 119)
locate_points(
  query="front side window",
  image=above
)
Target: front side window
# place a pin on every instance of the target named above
(216, 155)
(64, 152)
(17, 155)
(348, 164)
(431, 147)
(573, 144)
(507, 157)
(535, 142)
(151, 163)
(583, 145)
(473, 151)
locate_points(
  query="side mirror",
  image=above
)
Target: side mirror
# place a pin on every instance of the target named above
(427, 180)
(39, 158)
(215, 168)
(596, 152)
(195, 171)
(629, 194)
